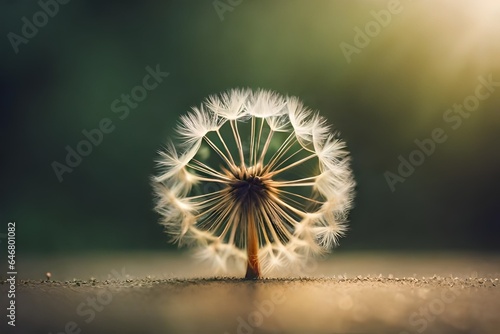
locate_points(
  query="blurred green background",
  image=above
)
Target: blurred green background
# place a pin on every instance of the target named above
(392, 92)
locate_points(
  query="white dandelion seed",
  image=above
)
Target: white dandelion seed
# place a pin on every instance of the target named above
(275, 190)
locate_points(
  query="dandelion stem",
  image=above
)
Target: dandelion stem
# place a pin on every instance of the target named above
(259, 139)
(295, 181)
(253, 268)
(285, 146)
(252, 141)
(267, 211)
(225, 146)
(218, 151)
(304, 184)
(277, 214)
(237, 138)
(289, 157)
(266, 146)
(201, 167)
(274, 172)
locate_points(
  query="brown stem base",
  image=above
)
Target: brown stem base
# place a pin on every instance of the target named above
(253, 267)
(253, 270)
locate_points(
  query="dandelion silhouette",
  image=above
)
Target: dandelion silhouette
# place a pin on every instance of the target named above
(257, 180)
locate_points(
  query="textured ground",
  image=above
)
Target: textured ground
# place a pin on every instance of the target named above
(358, 293)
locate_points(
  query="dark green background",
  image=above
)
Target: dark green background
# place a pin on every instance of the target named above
(395, 91)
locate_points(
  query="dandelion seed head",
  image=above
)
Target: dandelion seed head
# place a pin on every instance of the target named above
(274, 190)
(196, 124)
(229, 105)
(265, 104)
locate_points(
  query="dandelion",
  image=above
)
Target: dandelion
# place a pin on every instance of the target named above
(257, 180)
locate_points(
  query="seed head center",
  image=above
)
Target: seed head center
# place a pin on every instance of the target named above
(249, 188)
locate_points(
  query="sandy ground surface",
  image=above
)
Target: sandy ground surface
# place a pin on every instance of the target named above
(355, 294)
